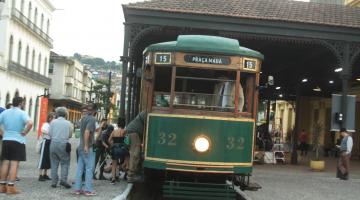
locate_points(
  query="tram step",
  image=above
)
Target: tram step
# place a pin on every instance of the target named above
(200, 191)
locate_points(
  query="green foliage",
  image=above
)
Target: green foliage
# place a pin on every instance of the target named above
(98, 63)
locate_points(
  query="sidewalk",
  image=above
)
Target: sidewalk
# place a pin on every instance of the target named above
(33, 189)
(297, 182)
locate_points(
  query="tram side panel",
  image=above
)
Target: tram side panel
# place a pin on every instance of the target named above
(170, 144)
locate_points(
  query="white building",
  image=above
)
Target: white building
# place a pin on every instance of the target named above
(71, 83)
(24, 50)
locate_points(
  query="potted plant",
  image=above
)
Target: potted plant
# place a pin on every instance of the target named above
(317, 164)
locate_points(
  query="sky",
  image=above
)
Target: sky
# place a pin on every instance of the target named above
(89, 27)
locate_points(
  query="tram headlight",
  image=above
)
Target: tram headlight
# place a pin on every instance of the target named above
(202, 144)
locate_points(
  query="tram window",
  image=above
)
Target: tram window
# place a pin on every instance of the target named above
(162, 86)
(247, 81)
(212, 90)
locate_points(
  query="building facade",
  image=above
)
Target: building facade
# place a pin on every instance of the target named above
(71, 83)
(25, 51)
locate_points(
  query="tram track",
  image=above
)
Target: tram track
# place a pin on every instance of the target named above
(141, 192)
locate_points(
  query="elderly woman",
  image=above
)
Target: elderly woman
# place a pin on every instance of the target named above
(44, 161)
(60, 131)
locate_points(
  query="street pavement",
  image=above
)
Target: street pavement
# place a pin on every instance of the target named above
(298, 182)
(33, 189)
(279, 182)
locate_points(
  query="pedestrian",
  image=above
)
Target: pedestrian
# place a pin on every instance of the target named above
(44, 161)
(345, 155)
(100, 149)
(60, 132)
(16, 125)
(303, 142)
(134, 130)
(119, 150)
(86, 154)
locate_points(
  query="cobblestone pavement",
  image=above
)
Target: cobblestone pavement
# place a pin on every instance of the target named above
(285, 182)
(279, 182)
(32, 189)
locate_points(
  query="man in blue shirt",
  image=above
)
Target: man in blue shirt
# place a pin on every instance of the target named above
(16, 124)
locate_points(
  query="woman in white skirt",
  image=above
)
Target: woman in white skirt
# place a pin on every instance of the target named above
(44, 161)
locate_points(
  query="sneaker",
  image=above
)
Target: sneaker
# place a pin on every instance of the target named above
(46, 177)
(17, 179)
(77, 192)
(87, 193)
(41, 178)
(65, 184)
(113, 182)
(12, 190)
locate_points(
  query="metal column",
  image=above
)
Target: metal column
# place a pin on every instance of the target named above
(125, 60)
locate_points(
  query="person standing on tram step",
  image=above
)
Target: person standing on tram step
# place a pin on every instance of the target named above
(135, 130)
(44, 161)
(345, 155)
(303, 142)
(16, 125)
(60, 132)
(86, 153)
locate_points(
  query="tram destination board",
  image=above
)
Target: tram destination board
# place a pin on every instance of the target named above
(213, 60)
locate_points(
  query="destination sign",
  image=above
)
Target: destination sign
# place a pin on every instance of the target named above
(213, 60)
(250, 65)
(162, 58)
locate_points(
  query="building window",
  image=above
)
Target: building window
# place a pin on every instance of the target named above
(51, 68)
(42, 22)
(29, 10)
(39, 64)
(47, 27)
(19, 53)
(45, 66)
(24, 102)
(11, 45)
(22, 6)
(7, 100)
(30, 107)
(33, 60)
(27, 57)
(35, 16)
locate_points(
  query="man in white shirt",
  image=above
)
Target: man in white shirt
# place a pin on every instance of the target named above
(345, 154)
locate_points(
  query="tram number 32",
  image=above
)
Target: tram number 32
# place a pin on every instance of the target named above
(235, 143)
(167, 139)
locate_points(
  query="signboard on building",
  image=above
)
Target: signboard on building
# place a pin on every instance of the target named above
(337, 115)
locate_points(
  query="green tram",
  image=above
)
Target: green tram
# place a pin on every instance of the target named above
(201, 95)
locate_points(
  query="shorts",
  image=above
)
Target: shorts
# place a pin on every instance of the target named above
(119, 151)
(13, 150)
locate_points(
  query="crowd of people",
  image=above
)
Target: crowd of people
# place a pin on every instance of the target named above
(97, 142)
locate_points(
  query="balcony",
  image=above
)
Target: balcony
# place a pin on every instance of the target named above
(69, 80)
(22, 19)
(19, 70)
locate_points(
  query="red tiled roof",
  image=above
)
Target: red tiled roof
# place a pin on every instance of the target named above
(275, 10)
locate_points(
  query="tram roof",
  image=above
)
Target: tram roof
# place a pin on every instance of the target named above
(205, 44)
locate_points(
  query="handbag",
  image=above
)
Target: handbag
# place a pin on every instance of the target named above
(68, 147)
(39, 145)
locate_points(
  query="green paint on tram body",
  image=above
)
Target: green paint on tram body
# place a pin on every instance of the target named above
(172, 137)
